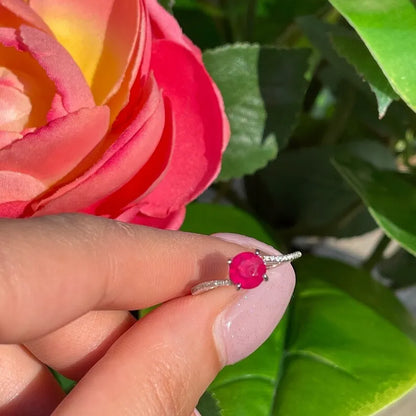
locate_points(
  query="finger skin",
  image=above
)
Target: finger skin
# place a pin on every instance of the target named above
(73, 349)
(164, 362)
(161, 366)
(88, 263)
(26, 386)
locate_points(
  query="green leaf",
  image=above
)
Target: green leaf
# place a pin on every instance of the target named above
(342, 357)
(263, 90)
(389, 196)
(213, 218)
(312, 199)
(319, 34)
(338, 353)
(248, 387)
(350, 58)
(66, 384)
(352, 48)
(388, 28)
(335, 347)
(208, 405)
(396, 124)
(143, 312)
(358, 284)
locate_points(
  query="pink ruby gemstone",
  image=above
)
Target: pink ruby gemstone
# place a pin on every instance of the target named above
(247, 269)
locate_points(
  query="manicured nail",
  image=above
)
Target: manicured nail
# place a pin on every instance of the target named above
(196, 413)
(246, 323)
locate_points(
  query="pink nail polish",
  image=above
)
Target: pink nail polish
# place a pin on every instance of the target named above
(245, 324)
(196, 413)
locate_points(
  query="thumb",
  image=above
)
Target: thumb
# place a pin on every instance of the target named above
(165, 362)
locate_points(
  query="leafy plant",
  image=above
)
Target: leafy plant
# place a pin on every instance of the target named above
(321, 98)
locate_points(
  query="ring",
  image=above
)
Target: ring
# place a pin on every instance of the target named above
(247, 270)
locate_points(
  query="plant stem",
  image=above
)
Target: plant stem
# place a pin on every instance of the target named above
(377, 254)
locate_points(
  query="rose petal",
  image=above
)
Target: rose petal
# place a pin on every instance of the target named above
(29, 74)
(137, 70)
(51, 152)
(165, 26)
(199, 127)
(117, 165)
(8, 79)
(144, 101)
(12, 209)
(16, 186)
(99, 34)
(172, 222)
(60, 67)
(145, 179)
(14, 13)
(57, 109)
(7, 137)
(14, 109)
(15, 105)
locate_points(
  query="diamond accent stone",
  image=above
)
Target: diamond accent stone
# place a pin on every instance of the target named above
(283, 258)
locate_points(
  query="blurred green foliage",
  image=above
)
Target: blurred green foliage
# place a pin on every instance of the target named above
(345, 346)
(321, 97)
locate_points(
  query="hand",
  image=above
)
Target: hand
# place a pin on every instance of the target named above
(66, 285)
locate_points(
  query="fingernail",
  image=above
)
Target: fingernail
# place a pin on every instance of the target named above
(196, 413)
(246, 323)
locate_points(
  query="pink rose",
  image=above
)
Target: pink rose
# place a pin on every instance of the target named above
(105, 108)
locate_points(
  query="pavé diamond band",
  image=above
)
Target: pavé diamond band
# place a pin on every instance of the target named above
(247, 270)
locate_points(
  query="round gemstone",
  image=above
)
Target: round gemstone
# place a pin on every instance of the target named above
(247, 269)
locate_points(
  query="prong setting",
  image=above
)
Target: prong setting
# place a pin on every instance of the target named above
(247, 270)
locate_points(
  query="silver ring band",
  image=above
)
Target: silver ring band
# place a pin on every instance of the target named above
(273, 261)
(268, 261)
(212, 284)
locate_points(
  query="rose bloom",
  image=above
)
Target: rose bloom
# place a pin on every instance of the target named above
(105, 108)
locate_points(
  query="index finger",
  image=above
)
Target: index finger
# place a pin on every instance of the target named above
(54, 269)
